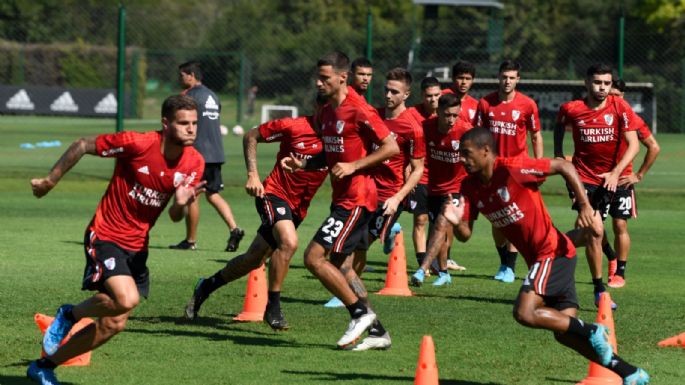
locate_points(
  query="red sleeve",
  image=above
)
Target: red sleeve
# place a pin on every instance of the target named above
(418, 149)
(198, 167)
(528, 171)
(371, 125)
(120, 145)
(482, 108)
(627, 119)
(561, 115)
(274, 130)
(533, 122)
(643, 131)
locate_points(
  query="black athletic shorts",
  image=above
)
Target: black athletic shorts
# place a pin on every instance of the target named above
(212, 175)
(435, 203)
(272, 209)
(106, 259)
(554, 280)
(620, 204)
(417, 200)
(345, 230)
(381, 224)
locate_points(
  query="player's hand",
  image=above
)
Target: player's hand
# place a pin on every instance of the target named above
(186, 195)
(41, 186)
(254, 186)
(628, 180)
(390, 206)
(343, 169)
(589, 219)
(610, 180)
(292, 163)
(453, 212)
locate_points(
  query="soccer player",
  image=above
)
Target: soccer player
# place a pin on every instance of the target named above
(349, 127)
(282, 201)
(151, 169)
(599, 123)
(442, 136)
(509, 115)
(617, 263)
(463, 74)
(362, 73)
(210, 145)
(506, 191)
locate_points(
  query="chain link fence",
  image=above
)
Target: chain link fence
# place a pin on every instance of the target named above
(257, 53)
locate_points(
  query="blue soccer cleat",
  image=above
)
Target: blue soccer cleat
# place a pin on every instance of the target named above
(42, 376)
(389, 243)
(334, 302)
(640, 377)
(418, 277)
(57, 330)
(443, 279)
(599, 339)
(500, 272)
(614, 306)
(508, 276)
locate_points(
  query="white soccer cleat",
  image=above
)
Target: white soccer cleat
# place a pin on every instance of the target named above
(355, 328)
(374, 342)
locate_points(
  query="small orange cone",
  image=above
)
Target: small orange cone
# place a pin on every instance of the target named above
(675, 341)
(43, 321)
(597, 374)
(255, 298)
(396, 280)
(427, 368)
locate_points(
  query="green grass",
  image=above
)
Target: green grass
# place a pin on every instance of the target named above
(477, 341)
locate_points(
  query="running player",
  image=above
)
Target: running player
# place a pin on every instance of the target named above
(151, 169)
(509, 115)
(281, 201)
(506, 191)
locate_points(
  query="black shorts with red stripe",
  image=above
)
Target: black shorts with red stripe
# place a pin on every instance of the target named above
(381, 224)
(554, 280)
(105, 259)
(620, 204)
(272, 209)
(417, 201)
(345, 230)
(436, 203)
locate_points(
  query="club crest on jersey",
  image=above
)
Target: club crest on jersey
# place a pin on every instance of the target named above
(609, 119)
(515, 114)
(503, 194)
(455, 145)
(472, 113)
(280, 210)
(339, 125)
(110, 263)
(412, 204)
(480, 204)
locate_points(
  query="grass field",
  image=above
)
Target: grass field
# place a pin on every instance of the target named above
(477, 341)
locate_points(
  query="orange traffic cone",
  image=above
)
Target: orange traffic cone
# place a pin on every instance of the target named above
(597, 374)
(427, 369)
(255, 298)
(43, 321)
(396, 281)
(676, 341)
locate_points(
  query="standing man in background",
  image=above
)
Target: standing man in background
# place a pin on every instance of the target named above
(362, 73)
(210, 145)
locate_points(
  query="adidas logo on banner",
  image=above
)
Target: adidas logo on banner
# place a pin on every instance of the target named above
(65, 103)
(108, 105)
(20, 101)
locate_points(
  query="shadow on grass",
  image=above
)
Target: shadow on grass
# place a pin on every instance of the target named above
(561, 380)
(331, 376)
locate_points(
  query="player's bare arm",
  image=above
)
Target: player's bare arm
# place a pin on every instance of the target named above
(254, 186)
(71, 156)
(611, 177)
(536, 143)
(184, 196)
(411, 180)
(587, 217)
(559, 131)
(653, 150)
(387, 149)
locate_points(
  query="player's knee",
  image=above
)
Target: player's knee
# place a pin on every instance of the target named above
(620, 227)
(288, 246)
(127, 303)
(312, 260)
(420, 221)
(524, 316)
(111, 326)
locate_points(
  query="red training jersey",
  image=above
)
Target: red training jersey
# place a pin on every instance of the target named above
(141, 186)
(597, 135)
(297, 137)
(469, 107)
(442, 154)
(348, 131)
(420, 114)
(643, 132)
(512, 202)
(509, 122)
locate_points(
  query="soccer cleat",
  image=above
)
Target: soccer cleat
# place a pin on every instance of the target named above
(613, 266)
(640, 377)
(508, 276)
(616, 282)
(57, 330)
(389, 243)
(40, 375)
(614, 306)
(443, 279)
(193, 306)
(237, 235)
(374, 342)
(453, 265)
(418, 277)
(599, 339)
(500, 272)
(334, 302)
(355, 328)
(184, 245)
(276, 320)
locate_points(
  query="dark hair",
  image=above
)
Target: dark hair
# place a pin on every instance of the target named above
(599, 69)
(429, 82)
(510, 65)
(480, 137)
(463, 67)
(336, 59)
(192, 67)
(360, 62)
(399, 74)
(448, 101)
(175, 103)
(620, 85)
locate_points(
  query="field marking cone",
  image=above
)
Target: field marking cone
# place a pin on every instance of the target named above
(597, 374)
(675, 341)
(427, 368)
(396, 280)
(255, 297)
(43, 322)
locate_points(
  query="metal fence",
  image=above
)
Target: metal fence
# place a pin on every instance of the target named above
(263, 51)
